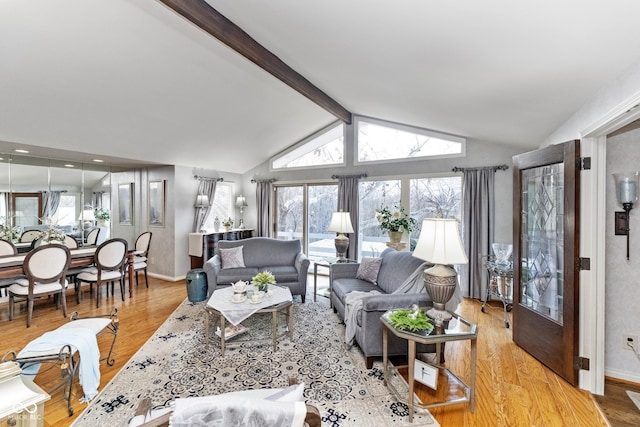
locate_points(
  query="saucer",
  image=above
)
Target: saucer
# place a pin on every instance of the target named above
(255, 302)
(238, 301)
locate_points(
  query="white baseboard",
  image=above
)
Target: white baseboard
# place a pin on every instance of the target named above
(167, 278)
(622, 375)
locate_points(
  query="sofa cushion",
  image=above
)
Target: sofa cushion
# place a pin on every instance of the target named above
(228, 276)
(283, 273)
(232, 257)
(395, 268)
(368, 269)
(343, 286)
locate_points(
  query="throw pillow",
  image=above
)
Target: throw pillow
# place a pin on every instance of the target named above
(232, 257)
(368, 269)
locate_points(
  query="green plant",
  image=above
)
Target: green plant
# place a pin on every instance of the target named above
(102, 214)
(51, 234)
(227, 222)
(397, 220)
(412, 319)
(263, 278)
(7, 232)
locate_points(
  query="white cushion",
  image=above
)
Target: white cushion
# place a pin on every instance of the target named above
(40, 288)
(139, 258)
(93, 277)
(139, 265)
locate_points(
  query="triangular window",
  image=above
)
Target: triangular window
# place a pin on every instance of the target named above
(325, 148)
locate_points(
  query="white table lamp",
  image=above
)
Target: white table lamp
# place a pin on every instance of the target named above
(341, 223)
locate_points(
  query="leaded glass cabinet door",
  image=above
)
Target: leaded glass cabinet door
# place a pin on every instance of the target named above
(545, 310)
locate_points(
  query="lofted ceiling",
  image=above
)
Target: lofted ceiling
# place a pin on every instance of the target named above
(132, 81)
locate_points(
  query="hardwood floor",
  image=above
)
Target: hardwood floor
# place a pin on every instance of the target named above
(616, 404)
(512, 388)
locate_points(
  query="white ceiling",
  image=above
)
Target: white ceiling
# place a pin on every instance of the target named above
(133, 80)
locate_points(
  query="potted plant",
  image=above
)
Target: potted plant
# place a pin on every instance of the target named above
(263, 279)
(227, 223)
(395, 223)
(102, 215)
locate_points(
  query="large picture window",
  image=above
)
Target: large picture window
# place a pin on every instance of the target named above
(379, 141)
(222, 206)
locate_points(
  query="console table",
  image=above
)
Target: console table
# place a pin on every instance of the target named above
(203, 246)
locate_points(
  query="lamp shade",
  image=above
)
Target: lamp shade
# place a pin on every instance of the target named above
(440, 242)
(202, 201)
(241, 202)
(340, 223)
(626, 187)
(87, 215)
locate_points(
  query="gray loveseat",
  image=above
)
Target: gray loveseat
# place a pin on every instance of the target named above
(394, 269)
(283, 258)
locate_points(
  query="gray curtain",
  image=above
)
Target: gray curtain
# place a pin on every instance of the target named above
(50, 202)
(478, 227)
(97, 199)
(263, 206)
(349, 201)
(207, 187)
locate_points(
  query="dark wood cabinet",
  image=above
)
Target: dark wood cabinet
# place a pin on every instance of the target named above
(209, 244)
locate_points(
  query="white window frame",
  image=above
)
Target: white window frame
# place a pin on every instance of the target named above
(317, 139)
(406, 128)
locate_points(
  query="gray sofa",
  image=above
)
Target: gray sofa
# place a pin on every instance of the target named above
(283, 258)
(394, 269)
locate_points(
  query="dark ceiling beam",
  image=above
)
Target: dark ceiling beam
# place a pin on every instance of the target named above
(200, 13)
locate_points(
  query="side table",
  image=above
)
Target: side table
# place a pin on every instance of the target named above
(464, 330)
(327, 263)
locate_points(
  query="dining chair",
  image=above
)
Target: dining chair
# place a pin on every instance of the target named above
(29, 236)
(46, 269)
(141, 254)
(92, 237)
(110, 263)
(7, 248)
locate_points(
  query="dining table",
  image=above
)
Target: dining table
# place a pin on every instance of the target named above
(12, 266)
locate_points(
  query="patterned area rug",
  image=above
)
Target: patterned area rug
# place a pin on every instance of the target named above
(175, 363)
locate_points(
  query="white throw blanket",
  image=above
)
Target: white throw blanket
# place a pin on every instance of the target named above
(227, 411)
(413, 284)
(84, 341)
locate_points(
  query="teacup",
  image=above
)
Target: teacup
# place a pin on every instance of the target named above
(257, 297)
(237, 297)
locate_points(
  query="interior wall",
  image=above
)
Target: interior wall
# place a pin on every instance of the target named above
(621, 293)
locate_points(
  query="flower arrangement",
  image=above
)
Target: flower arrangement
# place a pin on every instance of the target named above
(227, 223)
(412, 319)
(398, 220)
(7, 232)
(51, 234)
(102, 214)
(263, 279)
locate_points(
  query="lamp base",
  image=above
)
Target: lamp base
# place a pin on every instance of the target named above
(342, 244)
(440, 282)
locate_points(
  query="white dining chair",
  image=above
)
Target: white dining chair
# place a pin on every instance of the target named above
(141, 254)
(46, 269)
(110, 264)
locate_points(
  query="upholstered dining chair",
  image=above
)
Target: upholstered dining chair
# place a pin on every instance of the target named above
(7, 248)
(29, 236)
(46, 270)
(92, 237)
(110, 261)
(141, 254)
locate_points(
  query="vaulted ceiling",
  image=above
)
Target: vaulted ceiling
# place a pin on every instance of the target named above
(134, 80)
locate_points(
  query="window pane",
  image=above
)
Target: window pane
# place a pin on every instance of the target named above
(323, 200)
(432, 196)
(222, 206)
(377, 142)
(324, 149)
(373, 195)
(290, 213)
(66, 213)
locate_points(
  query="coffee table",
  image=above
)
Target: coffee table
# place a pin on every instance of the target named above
(220, 308)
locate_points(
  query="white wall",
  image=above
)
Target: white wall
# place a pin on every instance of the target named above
(622, 292)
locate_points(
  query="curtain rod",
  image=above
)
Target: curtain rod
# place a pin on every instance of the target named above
(207, 178)
(360, 175)
(253, 181)
(495, 168)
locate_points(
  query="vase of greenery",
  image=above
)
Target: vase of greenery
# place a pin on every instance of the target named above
(263, 279)
(102, 215)
(395, 223)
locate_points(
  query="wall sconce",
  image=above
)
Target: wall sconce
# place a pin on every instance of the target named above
(627, 194)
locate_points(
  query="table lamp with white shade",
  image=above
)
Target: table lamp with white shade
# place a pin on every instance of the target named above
(341, 223)
(440, 244)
